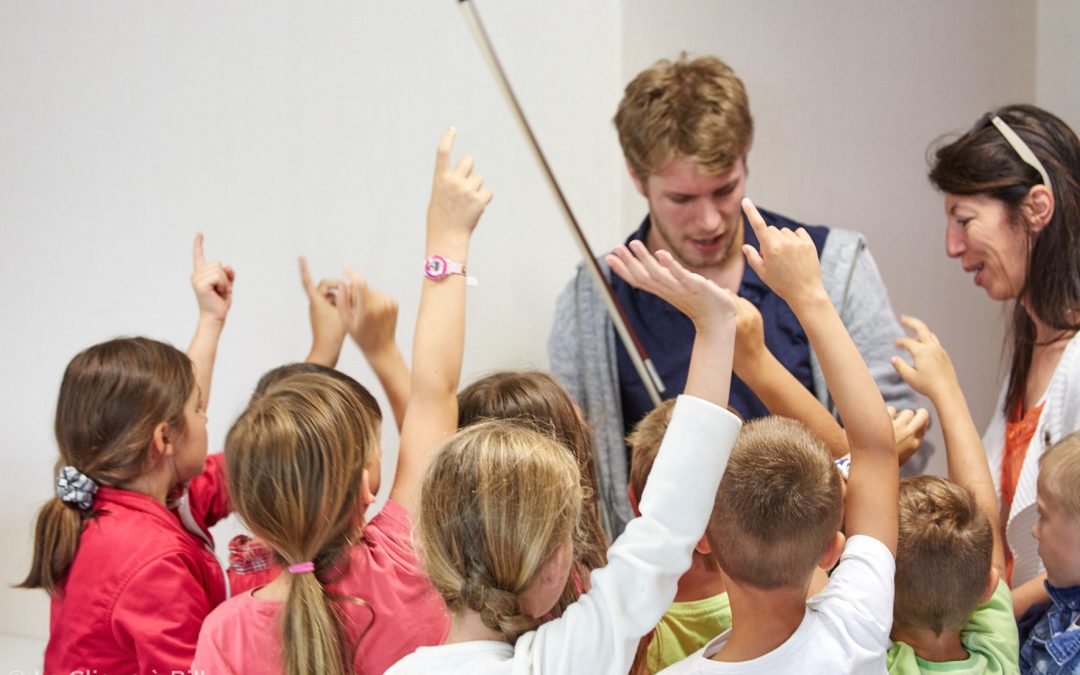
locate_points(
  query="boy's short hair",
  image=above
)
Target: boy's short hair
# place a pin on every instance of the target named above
(694, 108)
(644, 442)
(778, 507)
(943, 554)
(1059, 473)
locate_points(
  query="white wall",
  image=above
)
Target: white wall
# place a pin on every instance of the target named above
(846, 97)
(277, 128)
(1057, 59)
(281, 128)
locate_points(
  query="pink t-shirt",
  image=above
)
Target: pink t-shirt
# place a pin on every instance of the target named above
(243, 635)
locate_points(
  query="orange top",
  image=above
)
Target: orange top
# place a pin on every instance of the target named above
(1019, 430)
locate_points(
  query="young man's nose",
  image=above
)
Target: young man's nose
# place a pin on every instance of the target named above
(711, 216)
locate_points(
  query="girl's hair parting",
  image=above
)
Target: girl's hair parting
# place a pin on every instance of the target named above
(294, 460)
(496, 503)
(537, 400)
(112, 397)
(982, 162)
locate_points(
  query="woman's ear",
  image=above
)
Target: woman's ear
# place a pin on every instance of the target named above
(1038, 208)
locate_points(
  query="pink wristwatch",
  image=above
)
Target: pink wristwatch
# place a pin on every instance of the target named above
(437, 267)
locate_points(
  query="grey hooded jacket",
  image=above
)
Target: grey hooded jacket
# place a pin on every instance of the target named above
(581, 350)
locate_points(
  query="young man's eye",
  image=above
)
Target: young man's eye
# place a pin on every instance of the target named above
(963, 222)
(680, 200)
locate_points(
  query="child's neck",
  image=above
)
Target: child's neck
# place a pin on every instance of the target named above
(930, 647)
(699, 582)
(466, 626)
(156, 483)
(761, 620)
(277, 590)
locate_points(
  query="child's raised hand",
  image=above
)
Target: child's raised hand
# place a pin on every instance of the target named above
(932, 373)
(749, 333)
(787, 262)
(368, 315)
(212, 283)
(909, 427)
(457, 199)
(327, 331)
(707, 304)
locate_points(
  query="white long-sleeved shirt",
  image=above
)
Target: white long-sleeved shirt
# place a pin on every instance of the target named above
(599, 633)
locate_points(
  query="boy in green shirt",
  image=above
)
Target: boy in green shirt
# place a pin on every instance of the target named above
(953, 611)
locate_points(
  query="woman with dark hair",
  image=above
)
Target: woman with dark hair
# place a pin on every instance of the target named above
(1012, 199)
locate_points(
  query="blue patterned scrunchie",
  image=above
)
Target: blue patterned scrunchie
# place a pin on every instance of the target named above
(75, 488)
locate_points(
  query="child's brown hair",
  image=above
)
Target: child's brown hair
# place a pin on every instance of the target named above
(112, 397)
(644, 442)
(294, 460)
(496, 503)
(943, 554)
(778, 507)
(536, 399)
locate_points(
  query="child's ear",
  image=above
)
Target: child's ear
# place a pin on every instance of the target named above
(991, 585)
(832, 554)
(703, 546)
(367, 497)
(633, 499)
(161, 442)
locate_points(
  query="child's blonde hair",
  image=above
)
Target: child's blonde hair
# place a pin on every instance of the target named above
(537, 400)
(943, 554)
(496, 503)
(1059, 473)
(294, 461)
(112, 397)
(778, 507)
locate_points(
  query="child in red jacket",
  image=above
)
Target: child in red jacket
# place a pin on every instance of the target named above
(123, 548)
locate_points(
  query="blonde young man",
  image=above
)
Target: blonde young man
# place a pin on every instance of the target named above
(686, 131)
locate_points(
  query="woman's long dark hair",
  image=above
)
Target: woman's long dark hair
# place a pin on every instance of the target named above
(981, 162)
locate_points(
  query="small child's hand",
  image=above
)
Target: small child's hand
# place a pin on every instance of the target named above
(456, 198)
(707, 304)
(909, 427)
(327, 330)
(212, 283)
(788, 260)
(368, 315)
(932, 373)
(749, 334)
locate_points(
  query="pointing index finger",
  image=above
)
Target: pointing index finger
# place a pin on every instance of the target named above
(756, 221)
(305, 277)
(442, 154)
(197, 257)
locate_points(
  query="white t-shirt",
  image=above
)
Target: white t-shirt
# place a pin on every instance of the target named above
(599, 633)
(845, 628)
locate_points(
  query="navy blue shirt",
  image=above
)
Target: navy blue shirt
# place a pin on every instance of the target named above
(668, 335)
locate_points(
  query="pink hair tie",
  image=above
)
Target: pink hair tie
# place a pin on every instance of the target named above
(300, 568)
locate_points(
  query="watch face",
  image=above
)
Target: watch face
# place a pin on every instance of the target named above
(435, 267)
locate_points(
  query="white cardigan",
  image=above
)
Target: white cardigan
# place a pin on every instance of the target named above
(1060, 417)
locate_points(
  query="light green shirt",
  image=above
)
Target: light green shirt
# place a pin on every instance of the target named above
(990, 638)
(686, 628)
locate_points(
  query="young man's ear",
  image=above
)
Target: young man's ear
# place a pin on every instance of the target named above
(639, 183)
(832, 554)
(1038, 208)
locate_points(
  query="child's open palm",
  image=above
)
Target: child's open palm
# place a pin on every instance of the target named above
(707, 304)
